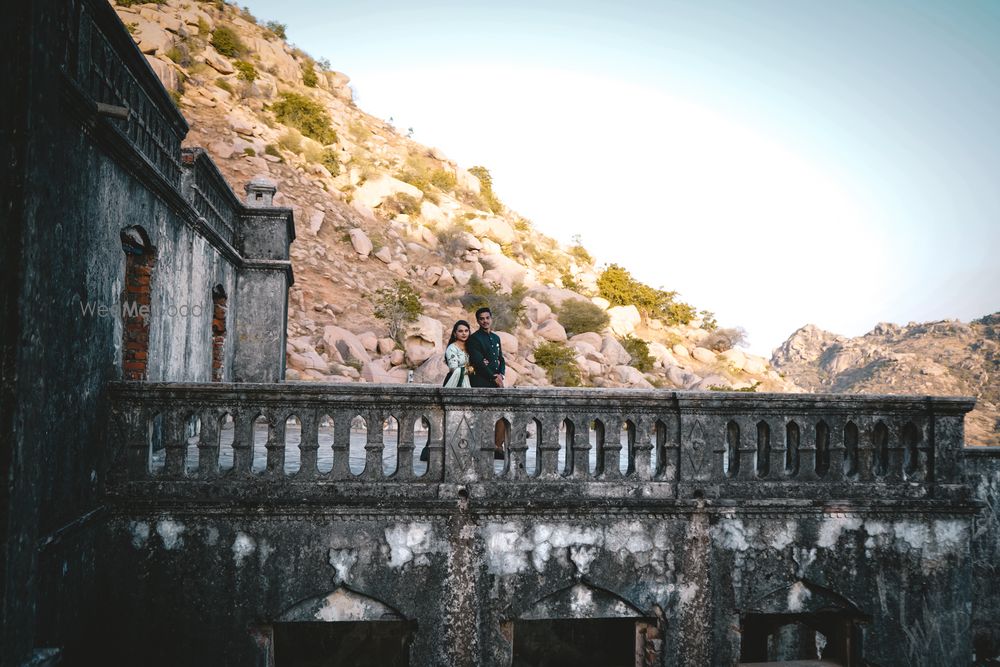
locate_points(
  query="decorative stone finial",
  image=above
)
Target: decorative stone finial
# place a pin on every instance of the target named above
(260, 192)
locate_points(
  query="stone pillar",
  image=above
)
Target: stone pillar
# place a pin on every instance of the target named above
(264, 234)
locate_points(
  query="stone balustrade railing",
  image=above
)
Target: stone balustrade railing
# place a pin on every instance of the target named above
(211, 441)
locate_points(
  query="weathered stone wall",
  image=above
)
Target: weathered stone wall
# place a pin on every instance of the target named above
(691, 552)
(78, 175)
(982, 470)
(906, 572)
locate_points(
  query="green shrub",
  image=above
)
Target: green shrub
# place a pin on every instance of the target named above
(443, 179)
(245, 71)
(175, 95)
(569, 281)
(271, 149)
(291, 141)
(708, 322)
(618, 286)
(277, 28)
(227, 42)
(129, 3)
(507, 309)
(249, 152)
(306, 115)
(176, 54)
(718, 387)
(486, 188)
(330, 160)
(638, 349)
(414, 178)
(203, 27)
(309, 77)
(559, 362)
(397, 306)
(578, 316)
(581, 255)
(400, 203)
(247, 16)
(225, 85)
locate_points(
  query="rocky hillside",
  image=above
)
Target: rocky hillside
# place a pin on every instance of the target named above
(944, 358)
(379, 216)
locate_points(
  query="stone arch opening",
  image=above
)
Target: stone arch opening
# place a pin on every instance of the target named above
(140, 260)
(584, 626)
(343, 628)
(802, 621)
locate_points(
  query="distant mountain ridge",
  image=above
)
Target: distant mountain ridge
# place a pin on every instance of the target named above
(946, 357)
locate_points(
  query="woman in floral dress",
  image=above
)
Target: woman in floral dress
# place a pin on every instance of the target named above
(456, 356)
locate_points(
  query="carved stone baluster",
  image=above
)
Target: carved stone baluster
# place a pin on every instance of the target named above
(746, 451)
(308, 445)
(612, 450)
(275, 445)
(836, 451)
(208, 444)
(895, 471)
(517, 447)
(668, 441)
(548, 446)
(435, 447)
(341, 445)
(807, 451)
(135, 425)
(642, 450)
(404, 447)
(243, 441)
(175, 441)
(865, 449)
(579, 447)
(374, 445)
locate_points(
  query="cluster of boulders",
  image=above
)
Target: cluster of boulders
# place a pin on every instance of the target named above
(364, 225)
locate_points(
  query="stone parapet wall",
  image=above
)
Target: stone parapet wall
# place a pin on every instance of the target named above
(627, 444)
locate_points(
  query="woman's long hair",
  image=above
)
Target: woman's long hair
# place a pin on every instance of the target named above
(454, 330)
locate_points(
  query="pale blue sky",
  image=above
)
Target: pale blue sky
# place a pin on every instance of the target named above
(776, 162)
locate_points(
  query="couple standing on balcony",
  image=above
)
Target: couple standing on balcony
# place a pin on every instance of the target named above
(474, 359)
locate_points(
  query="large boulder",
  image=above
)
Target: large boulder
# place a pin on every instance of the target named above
(432, 371)
(703, 354)
(369, 340)
(495, 228)
(614, 352)
(551, 330)
(152, 38)
(676, 376)
(346, 343)
(624, 319)
(217, 61)
(535, 310)
(467, 181)
(166, 72)
(273, 58)
(630, 376)
(680, 350)
(734, 358)
(755, 365)
(423, 340)
(505, 266)
(360, 241)
(374, 191)
(590, 338)
(508, 343)
(661, 354)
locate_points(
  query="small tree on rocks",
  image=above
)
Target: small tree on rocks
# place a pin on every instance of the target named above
(397, 306)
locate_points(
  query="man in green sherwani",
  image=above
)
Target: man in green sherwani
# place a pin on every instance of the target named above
(486, 357)
(485, 353)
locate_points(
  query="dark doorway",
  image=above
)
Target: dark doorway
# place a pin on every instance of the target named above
(831, 637)
(343, 644)
(603, 642)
